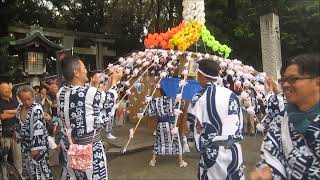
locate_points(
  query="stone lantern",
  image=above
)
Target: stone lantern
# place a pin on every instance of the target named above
(33, 51)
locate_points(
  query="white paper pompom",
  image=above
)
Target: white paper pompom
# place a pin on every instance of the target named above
(146, 63)
(185, 72)
(127, 83)
(148, 99)
(244, 95)
(127, 71)
(128, 92)
(156, 59)
(163, 74)
(139, 115)
(260, 127)
(121, 60)
(251, 111)
(139, 61)
(178, 97)
(182, 83)
(169, 65)
(223, 64)
(177, 112)
(230, 72)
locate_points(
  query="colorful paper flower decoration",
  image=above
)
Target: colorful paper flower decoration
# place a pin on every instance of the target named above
(188, 32)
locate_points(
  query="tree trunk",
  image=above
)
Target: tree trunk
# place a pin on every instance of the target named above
(158, 13)
(232, 9)
(170, 11)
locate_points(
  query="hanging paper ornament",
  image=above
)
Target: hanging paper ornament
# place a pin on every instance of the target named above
(139, 87)
(163, 74)
(177, 112)
(182, 83)
(148, 99)
(131, 132)
(174, 130)
(139, 115)
(178, 97)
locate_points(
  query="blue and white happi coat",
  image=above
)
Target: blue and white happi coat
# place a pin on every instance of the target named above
(290, 154)
(217, 111)
(275, 106)
(82, 106)
(33, 135)
(163, 107)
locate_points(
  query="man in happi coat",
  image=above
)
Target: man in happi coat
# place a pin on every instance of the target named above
(291, 148)
(168, 140)
(33, 135)
(80, 106)
(218, 126)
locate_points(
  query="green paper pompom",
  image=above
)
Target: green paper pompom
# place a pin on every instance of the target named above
(210, 44)
(227, 50)
(205, 39)
(212, 38)
(215, 47)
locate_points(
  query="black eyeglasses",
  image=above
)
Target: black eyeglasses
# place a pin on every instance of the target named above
(293, 79)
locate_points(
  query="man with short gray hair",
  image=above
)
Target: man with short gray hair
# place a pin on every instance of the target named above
(79, 108)
(33, 135)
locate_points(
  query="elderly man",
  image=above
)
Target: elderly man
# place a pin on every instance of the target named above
(79, 108)
(8, 108)
(33, 135)
(291, 149)
(218, 125)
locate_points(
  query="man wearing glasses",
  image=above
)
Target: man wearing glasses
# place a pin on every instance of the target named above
(291, 149)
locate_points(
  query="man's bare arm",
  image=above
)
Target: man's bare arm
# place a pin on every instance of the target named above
(7, 114)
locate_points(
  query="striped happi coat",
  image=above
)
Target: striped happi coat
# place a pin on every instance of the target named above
(33, 135)
(218, 118)
(82, 106)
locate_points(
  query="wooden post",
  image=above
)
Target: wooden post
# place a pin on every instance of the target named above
(270, 44)
(99, 56)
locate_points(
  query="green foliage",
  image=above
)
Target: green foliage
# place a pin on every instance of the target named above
(232, 22)
(10, 67)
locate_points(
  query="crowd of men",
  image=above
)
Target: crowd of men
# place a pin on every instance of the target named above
(77, 112)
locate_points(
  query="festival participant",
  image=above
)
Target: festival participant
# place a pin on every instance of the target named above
(291, 148)
(45, 101)
(218, 125)
(168, 141)
(79, 108)
(33, 135)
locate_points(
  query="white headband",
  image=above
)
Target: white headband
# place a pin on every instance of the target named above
(208, 76)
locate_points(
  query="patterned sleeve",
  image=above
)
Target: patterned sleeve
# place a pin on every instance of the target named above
(18, 127)
(267, 120)
(104, 106)
(272, 109)
(38, 130)
(235, 114)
